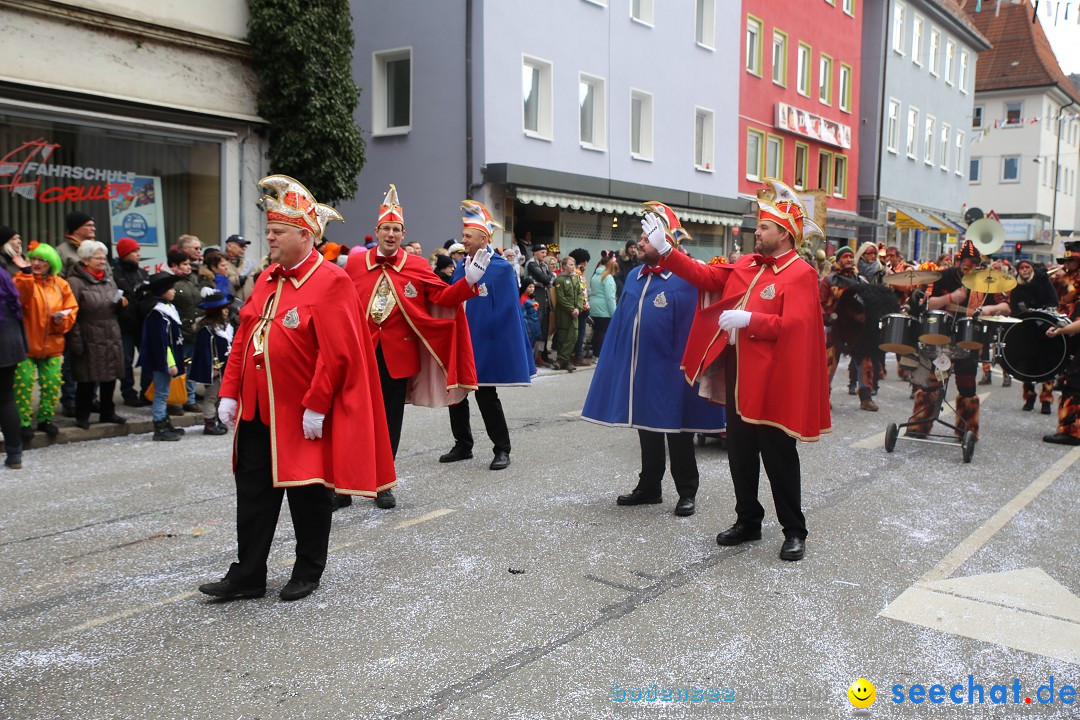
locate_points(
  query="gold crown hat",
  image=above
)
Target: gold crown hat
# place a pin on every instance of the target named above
(293, 204)
(788, 211)
(477, 216)
(676, 233)
(391, 210)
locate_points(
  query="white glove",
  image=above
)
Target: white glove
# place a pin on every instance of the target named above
(226, 411)
(313, 424)
(734, 319)
(654, 233)
(206, 292)
(477, 265)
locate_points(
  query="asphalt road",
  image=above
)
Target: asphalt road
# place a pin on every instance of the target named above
(528, 593)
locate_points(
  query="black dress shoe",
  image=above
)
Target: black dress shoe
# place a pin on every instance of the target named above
(84, 424)
(685, 507)
(1061, 439)
(501, 461)
(638, 497)
(297, 589)
(190, 408)
(114, 419)
(384, 500)
(27, 433)
(339, 501)
(458, 452)
(738, 533)
(793, 549)
(48, 428)
(228, 590)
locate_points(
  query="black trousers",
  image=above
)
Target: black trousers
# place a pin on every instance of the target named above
(750, 445)
(487, 399)
(393, 396)
(653, 463)
(258, 504)
(9, 415)
(84, 399)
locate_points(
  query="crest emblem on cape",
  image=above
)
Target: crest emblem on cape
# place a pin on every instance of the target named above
(291, 319)
(660, 300)
(410, 291)
(769, 292)
(482, 290)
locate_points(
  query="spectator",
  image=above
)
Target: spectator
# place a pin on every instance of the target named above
(568, 307)
(49, 312)
(239, 269)
(131, 278)
(457, 251)
(193, 248)
(602, 298)
(161, 353)
(80, 227)
(215, 273)
(511, 256)
(628, 260)
(10, 249)
(537, 271)
(444, 267)
(213, 340)
(581, 260)
(189, 293)
(530, 311)
(413, 248)
(12, 352)
(94, 344)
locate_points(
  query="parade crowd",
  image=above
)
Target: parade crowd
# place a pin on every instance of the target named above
(311, 353)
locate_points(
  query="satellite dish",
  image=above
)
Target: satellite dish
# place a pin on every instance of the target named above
(987, 235)
(973, 214)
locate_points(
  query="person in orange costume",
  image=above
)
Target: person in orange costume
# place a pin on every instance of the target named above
(424, 354)
(774, 384)
(302, 388)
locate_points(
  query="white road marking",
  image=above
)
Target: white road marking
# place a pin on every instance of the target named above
(424, 518)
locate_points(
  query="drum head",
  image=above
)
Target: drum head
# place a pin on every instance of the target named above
(1029, 354)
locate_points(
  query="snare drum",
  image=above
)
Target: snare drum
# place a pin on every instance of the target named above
(969, 334)
(1028, 353)
(899, 334)
(935, 327)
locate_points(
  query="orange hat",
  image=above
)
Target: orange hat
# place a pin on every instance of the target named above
(330, 251)
(477, 216)
(293, 204)
(673, 229)
(391, 210)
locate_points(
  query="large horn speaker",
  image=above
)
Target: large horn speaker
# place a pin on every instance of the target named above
(987, 235)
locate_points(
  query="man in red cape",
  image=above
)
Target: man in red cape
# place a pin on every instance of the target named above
(417, 324)
(302, 386)
(774, 382)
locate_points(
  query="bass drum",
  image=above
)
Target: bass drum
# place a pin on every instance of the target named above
(1028, 353)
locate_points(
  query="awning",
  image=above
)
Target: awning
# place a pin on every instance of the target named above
(590, 203)
(842, 218)
(909, 218)
(946, 226)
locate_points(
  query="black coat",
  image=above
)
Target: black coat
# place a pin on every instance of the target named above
(1039, 293)
(131, 278)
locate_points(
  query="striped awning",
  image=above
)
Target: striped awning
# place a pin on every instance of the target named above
(910, 218)
(572, 201)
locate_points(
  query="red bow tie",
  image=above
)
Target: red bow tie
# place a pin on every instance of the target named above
(379, 258)
(278, 271)
(654, 270)
(766, 260)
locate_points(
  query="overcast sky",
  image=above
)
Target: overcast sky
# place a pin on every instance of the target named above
(1064, 34)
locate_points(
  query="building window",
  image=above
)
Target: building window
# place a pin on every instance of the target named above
(1013, 113)
(963, 79)
(802, 158)
(958, 158)
(893, 138)
(845, 87)
(1010, 168)
(779, 58)
(754, 156)
(804, 70)
(391, 105)
(703, 139)
(642, 11)
(912, 130)
(774, 156)
(824, 170)
(825, 80)
(935, 51)
(950, 58)
(839, 188)
(943, 147)
(753, 45)
(849, 7)
(917, 24)
(705, 32)
(899, 11)
(592, 108)
(928, 140)
(536, 97)
(641, 125)
(975, 171)
(977, 116)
